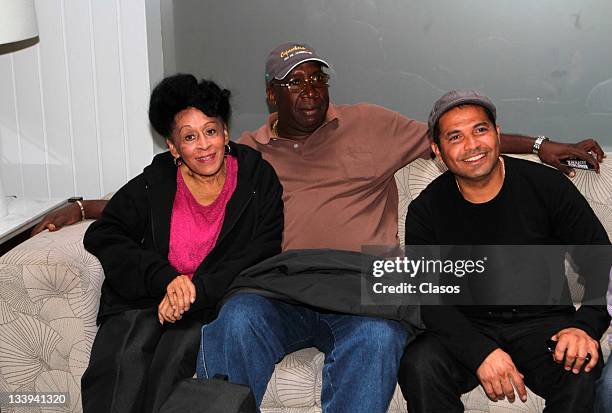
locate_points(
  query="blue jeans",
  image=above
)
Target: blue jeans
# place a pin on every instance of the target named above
(253, 333)
(603, 390)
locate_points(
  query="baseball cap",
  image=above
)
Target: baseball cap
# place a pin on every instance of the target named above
(456, 98)
(285, 57)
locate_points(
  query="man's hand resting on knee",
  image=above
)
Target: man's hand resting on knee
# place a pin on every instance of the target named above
(499, 377)
(573, 346)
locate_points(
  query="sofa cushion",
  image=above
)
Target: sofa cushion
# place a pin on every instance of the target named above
(49, 293)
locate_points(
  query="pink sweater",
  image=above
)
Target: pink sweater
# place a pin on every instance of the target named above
(194, 228)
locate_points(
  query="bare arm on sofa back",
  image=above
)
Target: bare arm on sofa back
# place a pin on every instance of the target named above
(70, 214)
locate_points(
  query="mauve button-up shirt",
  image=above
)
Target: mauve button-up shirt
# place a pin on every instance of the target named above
(339, 189)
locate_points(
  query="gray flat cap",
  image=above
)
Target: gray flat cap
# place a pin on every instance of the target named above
(456, 98)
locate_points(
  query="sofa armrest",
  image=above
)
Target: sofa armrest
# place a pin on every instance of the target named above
(49, 298)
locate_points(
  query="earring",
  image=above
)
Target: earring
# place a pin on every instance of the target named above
(178, 161)
(228, 149)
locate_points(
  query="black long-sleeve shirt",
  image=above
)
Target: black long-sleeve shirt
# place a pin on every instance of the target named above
(535, 206)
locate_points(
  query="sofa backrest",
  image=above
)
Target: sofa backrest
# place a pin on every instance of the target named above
(596, 188)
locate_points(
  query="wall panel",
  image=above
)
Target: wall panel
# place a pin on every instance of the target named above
(110, 92)
(30, 118)
(73, 105)
(10, 153)
(55, 99)
(82, 91)
(134, 60)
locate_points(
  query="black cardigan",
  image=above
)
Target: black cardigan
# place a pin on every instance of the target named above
(131, 238)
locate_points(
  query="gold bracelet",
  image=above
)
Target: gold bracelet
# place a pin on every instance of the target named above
(80, 204)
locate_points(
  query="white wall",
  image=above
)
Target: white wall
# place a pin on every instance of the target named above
(73, 107)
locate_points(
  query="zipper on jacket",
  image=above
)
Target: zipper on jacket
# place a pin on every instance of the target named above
(152, 230)
(152, 223)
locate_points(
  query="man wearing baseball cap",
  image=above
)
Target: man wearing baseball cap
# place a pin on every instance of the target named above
(488, 199)
(339, 193)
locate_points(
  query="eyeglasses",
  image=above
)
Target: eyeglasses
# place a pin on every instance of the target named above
(298, 84)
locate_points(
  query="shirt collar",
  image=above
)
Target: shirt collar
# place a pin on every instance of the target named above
(265, 134)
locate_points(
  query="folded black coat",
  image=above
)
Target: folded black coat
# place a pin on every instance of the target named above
(325, 279)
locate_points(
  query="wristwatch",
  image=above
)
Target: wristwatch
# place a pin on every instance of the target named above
(537, 143)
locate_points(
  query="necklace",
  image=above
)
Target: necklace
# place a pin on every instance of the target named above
(503, 174)
(275, 128)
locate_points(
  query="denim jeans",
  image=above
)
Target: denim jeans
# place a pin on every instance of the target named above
(603, 390)
(253, 333)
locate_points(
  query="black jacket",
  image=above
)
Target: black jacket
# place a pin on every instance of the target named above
(131, 239)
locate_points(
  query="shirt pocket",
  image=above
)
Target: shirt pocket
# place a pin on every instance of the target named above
(358, 163)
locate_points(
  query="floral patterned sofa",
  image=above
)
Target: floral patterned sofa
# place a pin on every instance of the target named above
(49, 290)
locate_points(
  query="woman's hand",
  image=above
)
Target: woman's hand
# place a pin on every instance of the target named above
(165, 312)
(181, 293)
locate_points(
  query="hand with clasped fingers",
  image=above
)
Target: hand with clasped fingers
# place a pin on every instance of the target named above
(573, 346)
(500, 378)
(180, 294)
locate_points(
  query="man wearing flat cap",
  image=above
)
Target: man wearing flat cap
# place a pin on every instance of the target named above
(485, 199)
